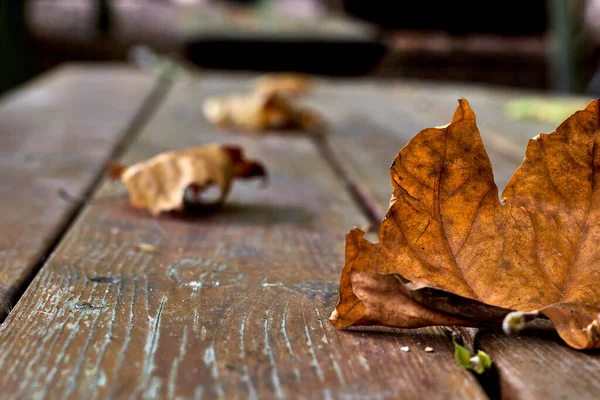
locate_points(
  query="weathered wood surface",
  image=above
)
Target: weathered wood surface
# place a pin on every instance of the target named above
(371, 122)
(232, 305)
(55, 135)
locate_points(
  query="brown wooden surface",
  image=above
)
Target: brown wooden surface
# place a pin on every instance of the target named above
(371, 122)
(55, 135)
(232, 305)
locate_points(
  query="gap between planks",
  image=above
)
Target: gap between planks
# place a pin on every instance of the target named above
(367, 202)
(141, 117)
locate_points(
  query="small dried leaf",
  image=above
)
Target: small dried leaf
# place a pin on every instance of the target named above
(159, 184)
(258, 112)
(449, 250)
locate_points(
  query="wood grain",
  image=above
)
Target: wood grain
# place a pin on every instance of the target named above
(372, 123)
(232, 305)
(55, 135)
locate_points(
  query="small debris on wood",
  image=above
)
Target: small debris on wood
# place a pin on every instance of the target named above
(267, 284)
(84, 305)
(405, 349)
(428, 349)
(46, 313)
(102, 279)
(70, 198)
(149, 248)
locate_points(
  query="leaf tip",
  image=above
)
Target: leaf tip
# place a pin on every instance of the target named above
(463, 111)
(593, 106)
(115, 170)
(339, 320)
(355, 234)
(243, 168)
(334, 317)
(251, 169)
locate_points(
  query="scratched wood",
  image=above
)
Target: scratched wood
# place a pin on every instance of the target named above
(373, 122)
(55, 135)
(232, 305)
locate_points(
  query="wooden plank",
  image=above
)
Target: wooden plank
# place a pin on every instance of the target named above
(55, 135)
(536, 364)
(373, 122)
(233, 305)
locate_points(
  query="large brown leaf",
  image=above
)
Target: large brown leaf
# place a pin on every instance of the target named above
(450, 252)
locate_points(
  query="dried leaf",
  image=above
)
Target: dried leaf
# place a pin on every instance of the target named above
(290, 84)
(450, 253)
(257, 112)
(266, 108)
(159, 184)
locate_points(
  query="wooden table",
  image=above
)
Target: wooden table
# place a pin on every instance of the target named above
(235, 304)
